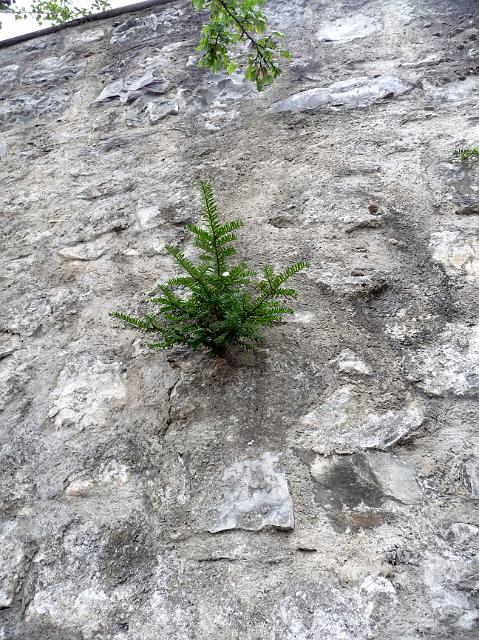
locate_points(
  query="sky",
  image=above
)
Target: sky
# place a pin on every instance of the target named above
(11, 27)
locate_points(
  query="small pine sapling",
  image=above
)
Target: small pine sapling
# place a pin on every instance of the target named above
(215, 303)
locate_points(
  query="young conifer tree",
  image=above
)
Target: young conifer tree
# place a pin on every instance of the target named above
(215, 303)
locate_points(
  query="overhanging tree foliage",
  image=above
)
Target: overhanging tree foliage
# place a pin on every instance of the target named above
(215, 303)
(231, 22)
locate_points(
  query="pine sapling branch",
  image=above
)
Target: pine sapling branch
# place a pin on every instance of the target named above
(215, 306)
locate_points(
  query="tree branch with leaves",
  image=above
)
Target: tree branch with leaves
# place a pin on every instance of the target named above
(240, 21)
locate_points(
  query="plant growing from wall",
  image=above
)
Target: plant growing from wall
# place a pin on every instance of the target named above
(465, 154)
(229, 22)
(215, 303)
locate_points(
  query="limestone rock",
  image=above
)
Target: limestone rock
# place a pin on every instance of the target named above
(142, 28)
(111, 477)
(85, 390)
(348, 362)
(215, 92)
(49, 104)
(132, 87)
(82, 606)
(85, 251)
(107, 188)
(362, 283)
(347, 94)
(348, 28)
(458, 252)
(11, 559)
(8, 75)
(145, 112)
(351, 489)
(463, 536)
(76, 39)
(54, 69)
(148, 217)
(452, 583)
(9, 342)
(470, 476)
(341, 426)
(453, 91)
(466, 191)
(254, 496)
(449, 366)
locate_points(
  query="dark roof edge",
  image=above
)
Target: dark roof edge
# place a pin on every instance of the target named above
(103, 15)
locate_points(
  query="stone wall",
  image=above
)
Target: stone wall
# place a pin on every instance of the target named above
(324, 489)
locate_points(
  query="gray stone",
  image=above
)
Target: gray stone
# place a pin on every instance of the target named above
(85, 390)
(107, 188)
(145, 112)
(453, 91)
(8, 75)
(360, 491)
(11, 559)
(347, 94)
(349, 492)
(348, 28)
(132, 87)
(253, 495)
(22, 106)
(452, 583)
(220, 87)
(470, 476)
(458, 252)
(450, 366)
(148, 217)
(77, 39)
(142, 28)
(110, 478)
(397, 476)
(463, 536)
(380, 431)
(85, 251)
(338, 279)
(348, 362)
(54, 70)
(467, 205)
(466, 191)
(341, 425)
(103, 219)
(9, 343)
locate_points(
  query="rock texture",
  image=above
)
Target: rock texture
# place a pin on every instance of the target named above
(324, 489)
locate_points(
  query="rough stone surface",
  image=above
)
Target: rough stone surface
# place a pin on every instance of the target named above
(325, 488)
(342, 425)
(348, 362)
(127, 89)
(458, 252)
(254, 496)
(357, 92)
(11, 558)
(348, 28)
(451, 365)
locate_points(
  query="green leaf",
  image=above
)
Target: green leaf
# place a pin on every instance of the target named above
(231, 68)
